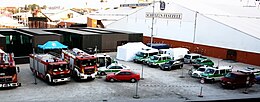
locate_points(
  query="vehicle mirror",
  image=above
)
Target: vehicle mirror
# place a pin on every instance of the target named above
(18, 69)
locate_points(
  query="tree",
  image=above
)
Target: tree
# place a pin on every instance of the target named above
(44, 7)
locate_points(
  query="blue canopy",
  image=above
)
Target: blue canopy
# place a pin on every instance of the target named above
(52, 45)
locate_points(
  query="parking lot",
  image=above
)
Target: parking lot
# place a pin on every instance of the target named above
(157, 85)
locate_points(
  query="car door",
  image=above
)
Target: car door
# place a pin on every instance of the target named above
(121, 76)
(119, 68)
(110, 69)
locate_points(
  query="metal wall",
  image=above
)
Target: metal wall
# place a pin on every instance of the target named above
(91, 41)
(137, 37)
(42, 39)
(110, 41)
(217, 52)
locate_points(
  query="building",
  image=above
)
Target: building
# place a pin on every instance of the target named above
(22, 41)
(217, 28)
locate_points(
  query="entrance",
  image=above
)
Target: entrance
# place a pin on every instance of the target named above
(231, 55)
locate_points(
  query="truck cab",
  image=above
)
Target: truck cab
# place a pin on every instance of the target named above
(8, 71)
(157, 60)
(143, 55)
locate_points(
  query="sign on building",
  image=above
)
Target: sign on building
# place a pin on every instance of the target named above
(164, 15)
(135, 5)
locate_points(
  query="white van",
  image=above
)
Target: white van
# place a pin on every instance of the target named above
(175, 53)
(190, 58)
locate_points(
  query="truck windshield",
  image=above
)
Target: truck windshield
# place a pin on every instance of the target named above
(209, 71)
(141, 54)
(101, 61)
(154, 58)
(89, 62)
(61, 67)
(230, 75)
(7, 71)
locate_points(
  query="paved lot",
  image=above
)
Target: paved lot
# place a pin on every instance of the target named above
(157, 85)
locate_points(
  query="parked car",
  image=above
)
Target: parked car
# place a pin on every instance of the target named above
(114, 67)
(190, 58)
(172, 64)
(197, 73)
(157, 60)
(123, 75)
(238, 79)
(215, 74)
(203, 61)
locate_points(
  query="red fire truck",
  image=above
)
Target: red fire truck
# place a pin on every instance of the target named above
(8, 70)
(50, 68)
(82, 64)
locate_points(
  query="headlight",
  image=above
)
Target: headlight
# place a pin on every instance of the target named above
(166, 67)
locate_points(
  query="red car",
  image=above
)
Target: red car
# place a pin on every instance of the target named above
(123, 75)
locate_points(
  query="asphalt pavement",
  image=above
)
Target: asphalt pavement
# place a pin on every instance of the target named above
(157, 85)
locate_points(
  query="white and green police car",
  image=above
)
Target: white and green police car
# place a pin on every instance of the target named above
(112, 68)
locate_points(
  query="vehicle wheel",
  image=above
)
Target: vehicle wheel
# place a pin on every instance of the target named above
(195, 75)
(111, 80)
(133, 80)
(143, 62)
(189, 72)
(48, 80)
(161, 68)
(233, 87)
(212, 80)
(102, 73)
(202, 80)
(250, 85)
(36, 74)
(76, 77)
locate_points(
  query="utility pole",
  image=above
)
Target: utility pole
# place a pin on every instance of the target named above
(152, 25)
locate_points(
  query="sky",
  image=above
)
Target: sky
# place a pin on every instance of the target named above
(63, 3)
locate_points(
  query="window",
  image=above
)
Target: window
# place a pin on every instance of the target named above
(121, 73)
(112, 67)
(222, 71)
(128, 73)
(187, 56)
(195, 57)
(216, 72)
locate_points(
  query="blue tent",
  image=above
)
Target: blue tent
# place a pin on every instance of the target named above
(52, 45)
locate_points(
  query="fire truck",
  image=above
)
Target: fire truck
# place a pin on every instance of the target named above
(82, 64)
(8, 70)
(50, 68)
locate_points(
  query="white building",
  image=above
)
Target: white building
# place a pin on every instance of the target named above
(218, 28)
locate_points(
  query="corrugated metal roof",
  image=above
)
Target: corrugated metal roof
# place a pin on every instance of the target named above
(243, 15)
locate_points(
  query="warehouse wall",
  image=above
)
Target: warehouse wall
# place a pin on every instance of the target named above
(217, 52)
(181, 30)
(110, 41)
(213, 33)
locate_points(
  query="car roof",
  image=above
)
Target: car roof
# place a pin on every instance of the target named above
(238, 73)
(162, 55)
(193, 54)
(124, 70)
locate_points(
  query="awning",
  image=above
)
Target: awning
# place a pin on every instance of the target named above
(52, 45)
